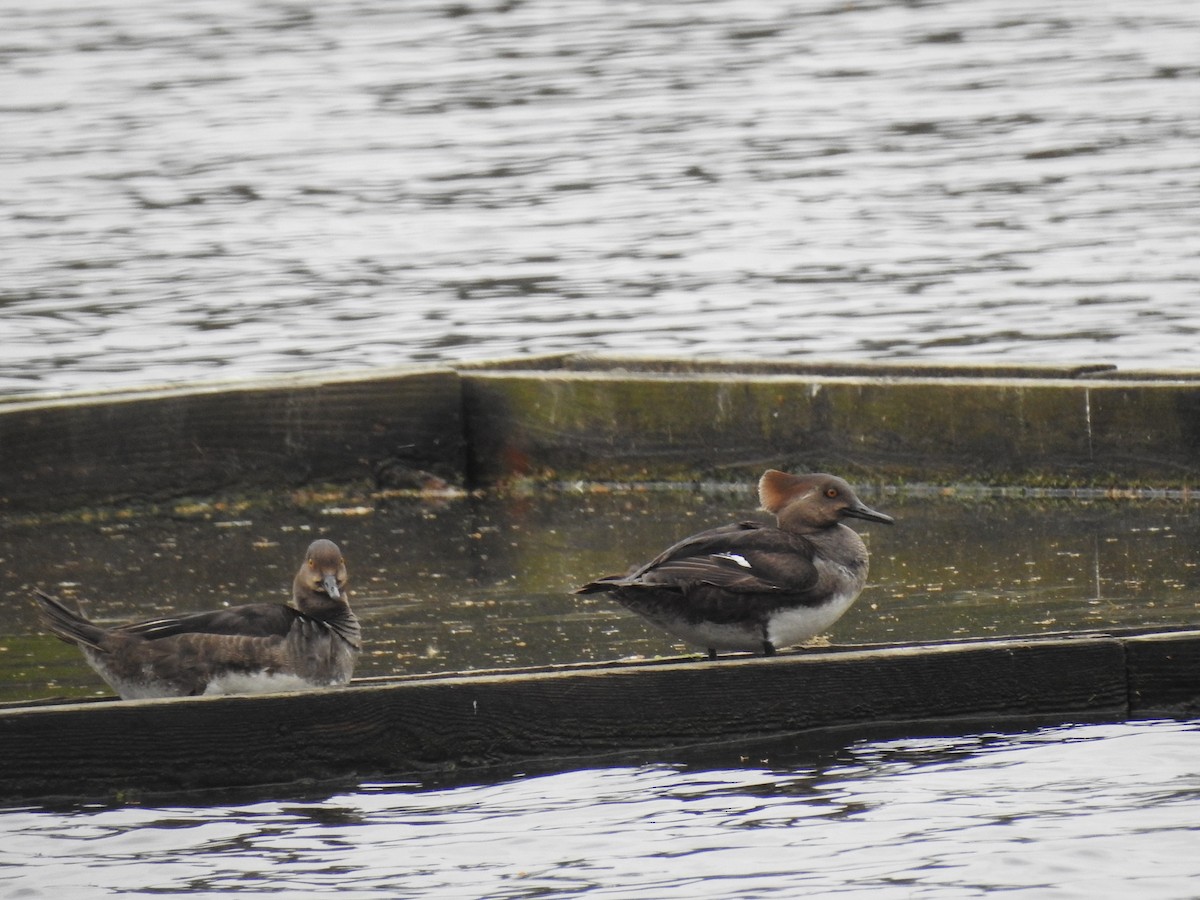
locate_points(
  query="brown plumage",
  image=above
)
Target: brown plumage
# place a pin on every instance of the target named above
(253, 648)
(756, 587)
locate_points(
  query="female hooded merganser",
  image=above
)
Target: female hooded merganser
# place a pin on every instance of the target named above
(753, 587)
(245, 649)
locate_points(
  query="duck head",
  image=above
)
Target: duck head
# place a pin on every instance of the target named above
(807, 503)
(321, 581)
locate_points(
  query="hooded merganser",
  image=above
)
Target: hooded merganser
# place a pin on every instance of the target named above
(245, 649)
(753, 587)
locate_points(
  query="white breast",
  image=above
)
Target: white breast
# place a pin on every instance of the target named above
(788, 627)
(257, 683)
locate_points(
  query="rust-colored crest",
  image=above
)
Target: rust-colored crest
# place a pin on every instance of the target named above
(776, 488)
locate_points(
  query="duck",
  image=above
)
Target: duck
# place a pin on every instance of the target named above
(755, 587)
(257, 648)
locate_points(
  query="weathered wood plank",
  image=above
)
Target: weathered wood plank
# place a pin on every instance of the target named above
(606, 420)
(161, 444)
(1164, 674)
(442, 724)
(910, 368)
(666, 424)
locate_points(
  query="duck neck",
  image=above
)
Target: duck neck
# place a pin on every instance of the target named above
(335, 614)
(793, 520)
(842, 545)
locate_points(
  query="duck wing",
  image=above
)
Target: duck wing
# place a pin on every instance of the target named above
(746, 558)
(262, 620)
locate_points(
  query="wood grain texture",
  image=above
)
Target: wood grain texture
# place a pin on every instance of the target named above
(162, 444)
(1164, 674)
(621, 425)
(415, 726)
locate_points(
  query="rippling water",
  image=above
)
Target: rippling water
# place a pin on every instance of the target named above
(1092, 811)
(227, 189)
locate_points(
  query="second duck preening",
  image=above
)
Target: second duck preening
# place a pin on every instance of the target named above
(244, 649)
(755, 587)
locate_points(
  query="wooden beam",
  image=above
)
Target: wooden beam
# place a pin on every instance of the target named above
(1164, 674)
(160, 444)
(605, 420)
(670, 424)
(442, 724)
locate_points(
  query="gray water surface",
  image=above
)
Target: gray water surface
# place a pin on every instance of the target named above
(222, 189)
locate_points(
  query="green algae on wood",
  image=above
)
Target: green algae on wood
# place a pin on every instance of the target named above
(633, 426)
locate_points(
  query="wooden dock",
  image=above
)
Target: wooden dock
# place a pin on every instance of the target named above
(570, 418)
(571, 715)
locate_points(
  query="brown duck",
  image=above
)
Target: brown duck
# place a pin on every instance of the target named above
(257, 648)
(752, 586)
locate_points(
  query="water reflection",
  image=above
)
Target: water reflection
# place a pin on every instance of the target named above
(480, 582)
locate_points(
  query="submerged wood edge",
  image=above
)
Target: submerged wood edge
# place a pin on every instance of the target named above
(606, 419)
(441, 725)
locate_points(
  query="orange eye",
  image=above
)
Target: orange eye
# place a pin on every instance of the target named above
(312, 563)
(831, 493)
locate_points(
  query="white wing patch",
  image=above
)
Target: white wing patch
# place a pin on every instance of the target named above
(734, 557)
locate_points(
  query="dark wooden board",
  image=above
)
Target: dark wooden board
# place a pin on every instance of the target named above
(155, 445)
(604, 421)
(445, 724)
(1164, 674)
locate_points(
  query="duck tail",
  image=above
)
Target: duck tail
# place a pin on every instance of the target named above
(602, 585)
(67, 625)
